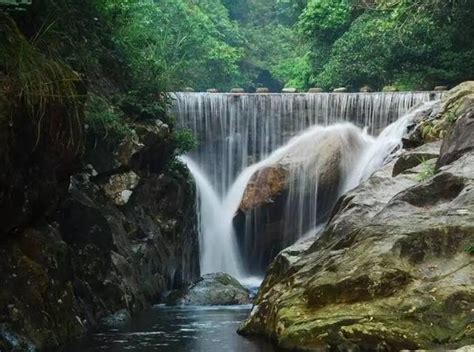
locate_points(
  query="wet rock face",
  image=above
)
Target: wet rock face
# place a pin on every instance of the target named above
(265, 186)
(391, 270)
(211, 290)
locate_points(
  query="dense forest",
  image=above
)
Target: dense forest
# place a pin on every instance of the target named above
(409, 44)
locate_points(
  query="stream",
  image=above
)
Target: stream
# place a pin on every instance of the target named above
(176, 329)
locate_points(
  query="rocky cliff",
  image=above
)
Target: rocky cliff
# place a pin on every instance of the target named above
(91, 222)
(112, 240)
(393, 268)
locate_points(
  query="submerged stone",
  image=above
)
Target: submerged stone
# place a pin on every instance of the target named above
(211, 290)
(118, 319)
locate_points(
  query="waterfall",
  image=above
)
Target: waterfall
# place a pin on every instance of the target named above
(238, 130)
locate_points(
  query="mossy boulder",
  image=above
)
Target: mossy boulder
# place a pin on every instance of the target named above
(390, 271)
(212, 290)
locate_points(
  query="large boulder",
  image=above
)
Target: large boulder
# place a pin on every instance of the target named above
(211, 290)
(392, 270)
(310, 172)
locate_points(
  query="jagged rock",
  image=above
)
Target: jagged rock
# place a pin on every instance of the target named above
(315, 90)
(340, 90)
(211, 290)
(262, 90)
(147, 147)
(120, 187)
(289, 90)
(389, 272)
(416, 157)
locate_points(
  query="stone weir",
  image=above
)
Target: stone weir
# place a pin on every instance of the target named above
(235, 130)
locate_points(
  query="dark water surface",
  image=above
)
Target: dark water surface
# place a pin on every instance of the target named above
(176, 329)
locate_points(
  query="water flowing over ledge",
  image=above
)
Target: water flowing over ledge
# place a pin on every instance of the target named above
(239, 134)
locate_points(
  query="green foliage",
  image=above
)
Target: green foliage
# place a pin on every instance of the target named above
(427, 170)
(470, 249)
(295, 71)
(104, 121)
(183, 141)
(325, 20)
(183, 43)
(143, 104)
(406, 43)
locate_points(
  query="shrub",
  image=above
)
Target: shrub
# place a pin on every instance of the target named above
(104, 121)
(428, 168)
(184, 141)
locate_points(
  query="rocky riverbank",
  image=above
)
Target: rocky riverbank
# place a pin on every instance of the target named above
(393, 268)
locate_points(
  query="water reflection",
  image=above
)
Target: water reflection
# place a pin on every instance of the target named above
(175, 329)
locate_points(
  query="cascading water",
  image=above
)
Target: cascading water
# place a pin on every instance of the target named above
(235, 131)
